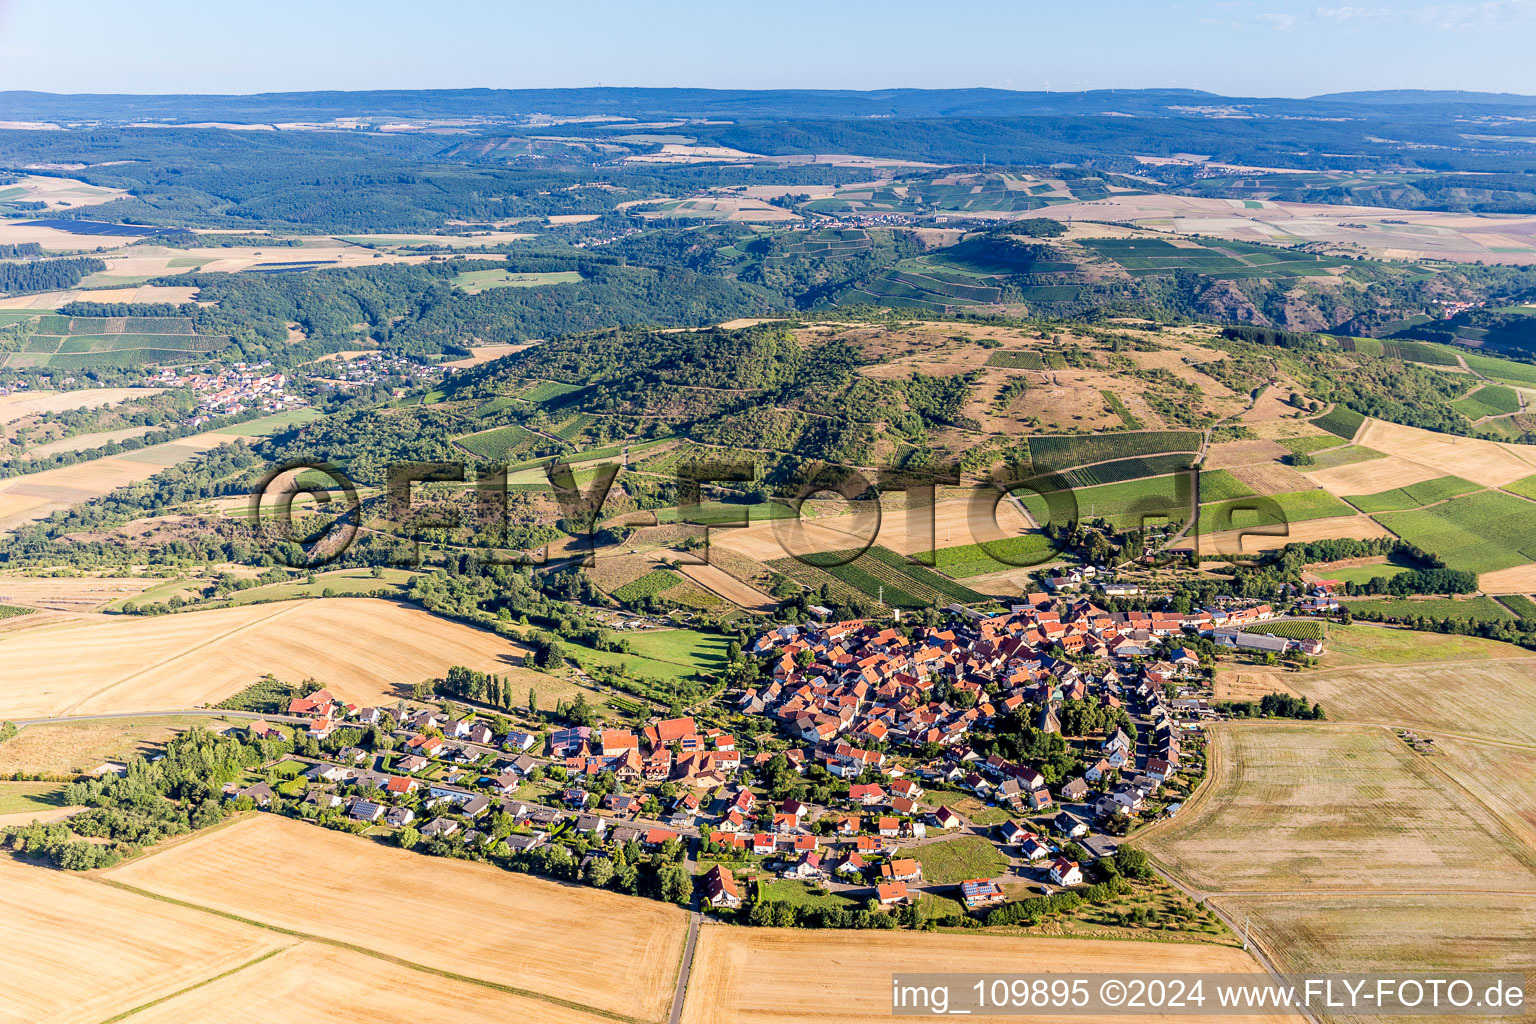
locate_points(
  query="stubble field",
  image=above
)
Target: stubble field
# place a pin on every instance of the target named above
(366, 650)
(78, 951)
(779, 976)
(585, 946)
(1342, 808)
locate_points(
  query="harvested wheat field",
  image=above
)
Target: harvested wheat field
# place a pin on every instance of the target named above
(35, 495)
(1488, 697)
(1372, 476)
(1271, 478)
(1235, 542)
(1502, 777)
(313, 981)
(365, 649)
(784, 976)
(1344, 808)
(611, 952)
(1490, 463)
(77, 950)
(1519, 579)
(35, 403)
(1396, 934)
(72, 593)
(944, 524)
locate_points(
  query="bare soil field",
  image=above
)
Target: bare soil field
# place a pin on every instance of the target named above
(1315, 807)
(1271, 478)
(313, 981)
(1232, 542)
(601, 949)
(789, 976)
(1392, 933)
(367, 650)
(79, 951)
(1490, 463)
(955, 522)
(1372, 476)
(1231, 454)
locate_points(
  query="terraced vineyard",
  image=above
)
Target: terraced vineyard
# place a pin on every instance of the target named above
(1066, 451)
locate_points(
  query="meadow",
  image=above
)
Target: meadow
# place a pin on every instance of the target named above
(966, 560)
(476, 281)
(1473, 609)
(951, 861)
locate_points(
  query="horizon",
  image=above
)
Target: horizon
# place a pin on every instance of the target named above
(1237, 48)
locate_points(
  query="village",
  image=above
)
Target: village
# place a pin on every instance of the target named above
(1026, 744)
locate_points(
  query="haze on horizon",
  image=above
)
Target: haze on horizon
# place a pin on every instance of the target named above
(1231, 47)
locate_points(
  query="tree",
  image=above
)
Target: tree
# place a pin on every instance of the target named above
(533, 701)
(598, 872)
(408, 837)
(1133, 863)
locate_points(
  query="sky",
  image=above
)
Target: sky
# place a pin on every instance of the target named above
(1232, 47)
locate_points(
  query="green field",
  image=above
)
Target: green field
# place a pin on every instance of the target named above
(649, 585)
(1520, 604)
(1123, 504)
(1292, 629)
(686, 647)
(1340, 420)
(274, 424)
(30, 797)
(951, 861)
(1344, 456)
(802, 894)
(495, 444)
(1426, 492)
(1016, 360)
(1220, 485)
(1526, 487)
(713, 513)
(1488, 400)
(476, 281)
(968, 560)
(1476, 609)
(547, 390)
(1505, 370)
(342, 583)
(1479, 532)
(1295, 507)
